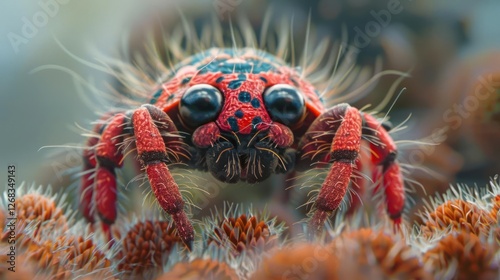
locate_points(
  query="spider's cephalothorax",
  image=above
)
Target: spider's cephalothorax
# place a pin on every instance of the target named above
(243, 108)
(243, 115)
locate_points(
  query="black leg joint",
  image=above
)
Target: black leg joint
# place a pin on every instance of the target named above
(389, 159)
(395, 216)
(344, 156)
(153, 157)
(387, 125)
(106, 163)
(365, 130)
(104, 219)
(129, 126)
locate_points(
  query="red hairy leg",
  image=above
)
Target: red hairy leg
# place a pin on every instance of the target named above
(104, 154)
(345, 123)
(87, 182)
(384, 155)
(153, 154)
(88, 174)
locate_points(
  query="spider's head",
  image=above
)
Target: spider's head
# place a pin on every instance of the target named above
(242, 109)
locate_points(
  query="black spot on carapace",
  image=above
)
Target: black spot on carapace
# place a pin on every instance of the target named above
(239, 114)
(155, 97)
(233, 123)
(255, 103)
(170, 97)
(234, 84)
(263, 79)
(256, 120)
(295, 83)
(220, 79)
(244, 96)
(185, 80)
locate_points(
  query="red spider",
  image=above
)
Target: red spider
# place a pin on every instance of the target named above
(246, 115)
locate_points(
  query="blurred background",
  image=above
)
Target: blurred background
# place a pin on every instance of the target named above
(450, 48)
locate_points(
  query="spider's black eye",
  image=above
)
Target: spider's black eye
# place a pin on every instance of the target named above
(284, 103)
(200, 104)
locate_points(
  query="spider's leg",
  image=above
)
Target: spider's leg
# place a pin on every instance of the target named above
(99, 181)
(153, 130)
(89, 167)
(153, 154)
(334, 137)
(384, 153)
(339, 131)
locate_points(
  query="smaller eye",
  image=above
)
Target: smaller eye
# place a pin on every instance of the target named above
(200, 104)
(284, 103)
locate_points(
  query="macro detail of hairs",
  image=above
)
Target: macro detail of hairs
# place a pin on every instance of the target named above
(280, 139)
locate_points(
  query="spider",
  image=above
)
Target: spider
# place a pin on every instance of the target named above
(240, 114)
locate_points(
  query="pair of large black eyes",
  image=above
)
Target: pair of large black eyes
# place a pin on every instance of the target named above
(202, 103)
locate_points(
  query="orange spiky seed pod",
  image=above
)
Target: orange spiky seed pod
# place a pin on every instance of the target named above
(375, 252)
(64, 257)
(84, 254)
(200, 269)
(300, 261)
(67, 256)
(40, 208)
(459, 215)
(243, 233)
(41, 213)
(145, 248)
(465, 254)
(35, 206)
